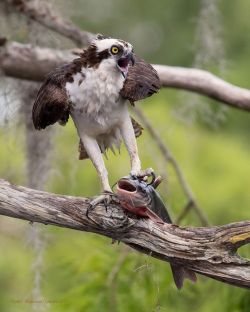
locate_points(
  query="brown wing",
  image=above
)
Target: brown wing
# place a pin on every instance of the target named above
(142, 81)
(137, 129)
(51, 104)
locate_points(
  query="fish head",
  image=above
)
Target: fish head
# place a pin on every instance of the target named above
(133, 194)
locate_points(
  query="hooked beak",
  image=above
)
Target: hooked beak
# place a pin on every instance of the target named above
(132, 58)
(123, 63)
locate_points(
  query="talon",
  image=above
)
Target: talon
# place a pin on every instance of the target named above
(133, 176)
(106, 205)
(106, 198)
(153, 178)
(144, 174)
(90, 208)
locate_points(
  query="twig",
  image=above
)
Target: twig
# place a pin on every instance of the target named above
(112, 278)
(169, 158)
(184, 212)
(48, 18)
(210, 251)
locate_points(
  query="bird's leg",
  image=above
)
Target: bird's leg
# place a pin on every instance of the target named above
(93, 150)
(129, 138)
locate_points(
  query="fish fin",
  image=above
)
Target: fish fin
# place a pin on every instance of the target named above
(151, 215)
(180, 273)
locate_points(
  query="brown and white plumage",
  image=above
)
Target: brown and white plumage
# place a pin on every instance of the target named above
(94, 90)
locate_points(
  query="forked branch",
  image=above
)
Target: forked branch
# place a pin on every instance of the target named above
(44, 15)
(210, 251)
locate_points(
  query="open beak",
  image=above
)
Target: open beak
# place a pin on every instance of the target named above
(123, 63)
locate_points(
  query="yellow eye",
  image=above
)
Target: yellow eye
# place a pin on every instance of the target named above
(114, 50)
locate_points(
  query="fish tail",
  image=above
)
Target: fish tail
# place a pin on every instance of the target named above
(180, 273)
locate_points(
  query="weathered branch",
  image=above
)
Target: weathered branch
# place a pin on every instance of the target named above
(25, 61)
(209, 251)
(46, 17)
(205, 83)
(33, 63)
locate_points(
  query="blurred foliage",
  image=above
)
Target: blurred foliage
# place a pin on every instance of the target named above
(215, 161)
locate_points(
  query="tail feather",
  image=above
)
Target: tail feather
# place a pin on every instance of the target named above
(180, 273)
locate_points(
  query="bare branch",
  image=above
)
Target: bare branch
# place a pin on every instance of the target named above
(33, 63)
(25, 61)
(209, 251)
(184, 212)
(46, 17)
(169, 158)
(204, 83)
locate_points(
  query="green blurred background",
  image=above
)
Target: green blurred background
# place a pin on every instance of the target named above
(210, 142)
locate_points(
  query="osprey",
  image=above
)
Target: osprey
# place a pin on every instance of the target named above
(95, 89)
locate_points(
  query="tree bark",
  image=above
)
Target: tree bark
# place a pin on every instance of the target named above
(25, 61)
(204, 83)
(210, 251)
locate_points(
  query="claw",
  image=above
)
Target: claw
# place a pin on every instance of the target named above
(153, 178)
(106, 198)
(144, 174)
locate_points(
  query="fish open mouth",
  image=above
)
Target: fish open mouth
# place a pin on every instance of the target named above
(126, 186)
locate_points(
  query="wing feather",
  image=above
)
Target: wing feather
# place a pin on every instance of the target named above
(137, 129)
(142, 81)
(51, 104)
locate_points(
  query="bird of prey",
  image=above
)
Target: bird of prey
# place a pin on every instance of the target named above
(95, 89)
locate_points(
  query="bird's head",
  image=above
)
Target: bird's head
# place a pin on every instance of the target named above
(115, 53)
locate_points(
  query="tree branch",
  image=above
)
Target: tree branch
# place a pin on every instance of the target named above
(209, 251)
(204, 83)
(48, 18)
(25, 61)
(33, 63)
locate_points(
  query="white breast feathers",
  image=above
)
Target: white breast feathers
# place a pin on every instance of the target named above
(96, 105)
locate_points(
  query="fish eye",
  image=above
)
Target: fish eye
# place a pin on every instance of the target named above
(114, 49)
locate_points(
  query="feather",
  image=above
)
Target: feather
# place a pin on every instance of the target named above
(108, 144)
(137, 127)
(142, 81)
(112, 149)
(51, 104)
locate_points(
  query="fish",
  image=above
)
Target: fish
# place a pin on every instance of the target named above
(141, 198)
